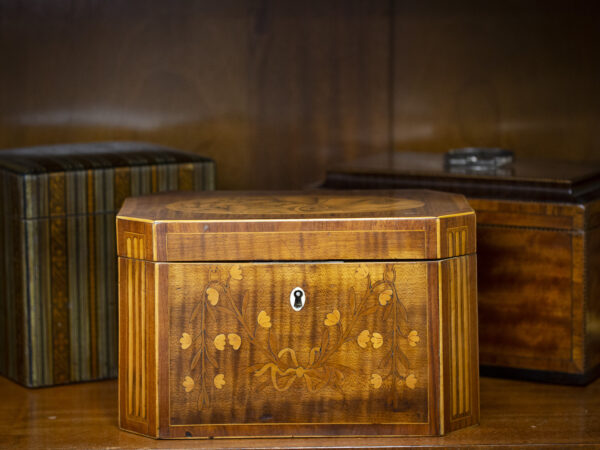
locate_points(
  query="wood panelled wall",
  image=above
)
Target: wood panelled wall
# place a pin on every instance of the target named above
(277, 90)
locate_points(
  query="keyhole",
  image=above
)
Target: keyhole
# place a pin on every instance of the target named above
(297, 298)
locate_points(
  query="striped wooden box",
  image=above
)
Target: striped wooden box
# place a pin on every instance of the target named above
(58, 272)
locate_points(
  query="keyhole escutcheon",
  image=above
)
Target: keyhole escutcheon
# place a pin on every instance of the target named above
(297, 298)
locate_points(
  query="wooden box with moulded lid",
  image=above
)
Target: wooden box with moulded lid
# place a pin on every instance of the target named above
(297, 314)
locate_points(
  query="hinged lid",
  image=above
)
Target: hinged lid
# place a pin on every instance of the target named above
(87, 178)
(469, 172)
(311, 225)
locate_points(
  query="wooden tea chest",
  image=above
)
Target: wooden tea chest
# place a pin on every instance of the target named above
(297, 314)
(538, 232)
(58, 274)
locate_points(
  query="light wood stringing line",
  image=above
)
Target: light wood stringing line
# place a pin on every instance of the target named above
(129, 329)
(467, 343)
(141, 301)
(460, 324)
(453, 357)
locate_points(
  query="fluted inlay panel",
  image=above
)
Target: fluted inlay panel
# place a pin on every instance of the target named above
(458, 297)
(136, 327)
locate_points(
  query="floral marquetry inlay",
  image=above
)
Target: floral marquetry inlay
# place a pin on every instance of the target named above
(369, 322)
(294, 204)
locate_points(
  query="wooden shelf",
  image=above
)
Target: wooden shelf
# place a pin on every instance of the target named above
(512, 413)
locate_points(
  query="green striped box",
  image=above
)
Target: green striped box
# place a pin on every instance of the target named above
(58, 274)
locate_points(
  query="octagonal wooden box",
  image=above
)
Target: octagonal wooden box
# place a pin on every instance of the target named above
(297, 314)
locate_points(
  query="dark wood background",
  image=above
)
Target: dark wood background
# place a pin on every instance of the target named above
(277, 90)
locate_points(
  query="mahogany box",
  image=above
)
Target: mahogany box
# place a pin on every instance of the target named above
(58, 274)
(297, 314)
(538, 232)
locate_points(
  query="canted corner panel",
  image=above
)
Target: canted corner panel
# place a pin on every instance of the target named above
(134, 239)
(459, 323)
(457, 241)
(136, 335)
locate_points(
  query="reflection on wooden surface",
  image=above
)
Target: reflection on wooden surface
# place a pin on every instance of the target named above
(276, 91)
(512, 413)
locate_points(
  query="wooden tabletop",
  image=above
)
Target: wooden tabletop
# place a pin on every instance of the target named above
(512, 413)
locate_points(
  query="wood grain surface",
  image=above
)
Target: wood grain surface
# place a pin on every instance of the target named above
(513, 414)
(378, 349)
(211, 343)
(356, 353)
(524, 179)
(276, 91)
(308, 225)
(537, 231)
(273, 91)
(497, 74)
(58, 268)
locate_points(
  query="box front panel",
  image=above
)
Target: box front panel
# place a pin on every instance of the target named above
(529, 300)
(357, 352)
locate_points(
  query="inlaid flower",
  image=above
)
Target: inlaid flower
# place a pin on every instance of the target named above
(363, 338)
(219, 381)
(413, 338)
(332, 318)
(220, 342)
(236, 272)
(186, 341)
(377, 340)
(234, 340)
(411, 381)
(188, 384)
(385, 297)
(362, 271)
(264, 320)
(212, 295)
(376, 380)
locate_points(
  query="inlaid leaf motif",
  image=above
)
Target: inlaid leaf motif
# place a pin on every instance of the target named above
(376, 380)
(389, 274)
(186, 341)
(212, 295)
(332, 318)
(363, 338)
(219, 381)
(377, 340)
(413, 338)
(220, 342)
(234, 340)
(188, 384)
(245, 304)
(386, 314)
(385, 297)
(211, 360)
(411, 381)
(236, 272)
(195, 360)
(272, 341)
(264, 320)
(369, 310)
(324, 340)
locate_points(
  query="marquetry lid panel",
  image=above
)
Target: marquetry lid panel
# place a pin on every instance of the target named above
(312, 225)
